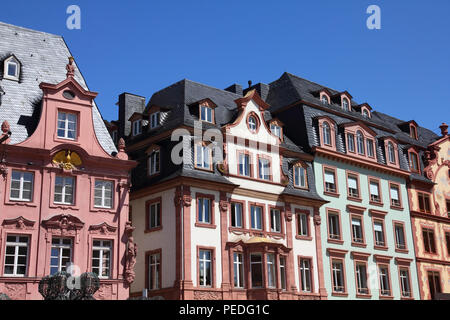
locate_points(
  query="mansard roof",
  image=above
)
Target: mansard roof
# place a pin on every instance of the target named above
(43, 58)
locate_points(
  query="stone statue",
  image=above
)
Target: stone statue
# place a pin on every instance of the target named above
(131, 253)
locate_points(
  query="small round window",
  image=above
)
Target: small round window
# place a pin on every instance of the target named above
(252, 123)
(69, 95)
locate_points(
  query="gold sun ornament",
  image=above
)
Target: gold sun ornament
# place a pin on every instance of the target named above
(67, 160)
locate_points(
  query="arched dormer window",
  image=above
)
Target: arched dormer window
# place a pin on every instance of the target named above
(391, 152)
(300, 175)
(324, 99)
(11, 69)
(413, 132)
(413, 161)
(360, 142)
(345, 104)
(366, 113)
(326, 131)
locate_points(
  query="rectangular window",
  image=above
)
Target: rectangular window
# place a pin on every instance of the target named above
(206, 114)
(256, 217)
(204, 210)
(61, 254)
(283, 272)
(264, 169)
(370, 152)
(271, 282)
(302, 224)
(236, 215)
(351, 142)
(357, 231)
(137, 127)
(64, 190)
(154, 120)
(275, 220)
(103, 194)
(378, 228)
(256, 269)
(101, 258)
(353, 188)
(338, 276)
(205, 268)
(330, 181)
(361, 278)
(405, 283)
(428, 240)
(299, 177)
(424, 202)
(16, 255)
(434, 282)
(203, 157)
(447, 241)
(21, 186)
(276, 130)
(400, 242)
(154, 271)
(154, 219)
(305, 275)
(395, 196)
(244, 165)
(413, 162)
(334, 230)
(67, 125)
(374, 191)
(385, 285)
(154, 163)
(238, 267)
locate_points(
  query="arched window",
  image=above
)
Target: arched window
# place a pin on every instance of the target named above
(324, 99)
(391, 152)
(326, 133)
(413, 162)
(11, 69)
(345, 104)
(360, 142)
(413, 132)
(366, 113)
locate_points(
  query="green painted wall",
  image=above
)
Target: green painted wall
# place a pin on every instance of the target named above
(341, 204)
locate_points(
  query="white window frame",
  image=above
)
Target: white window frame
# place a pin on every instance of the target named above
(391, 152)
(154, 270)
(136, 127)
(16, 245)
(238, 268)
(326, 132)
(154, 162)
(155, 120)
(235, 214)
(203, 205)
(104, 195)
(104, 247)
(351, 192)
(282, 267)
(254, 217)
(203, 259)
(6, 75)
(271, 272)
(66, 122)
(244, 165)
(276, 130)
(300, 176)
(370, 145)
(360, 143)
(275, 220)
(359, 278)
(405, 282)
(154, 217)
(355, 237)
(384, 291)
(302, 223)
(252, 123)
(60, 247)
(206, 114)
(63, 190)
(204, 154)
(305, 275)
(21, 186)
(264, 169)
(379, 242)
(345, 104)
(351, 142)
(338, 276)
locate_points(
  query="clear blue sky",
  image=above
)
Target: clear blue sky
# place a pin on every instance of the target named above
(143, 46)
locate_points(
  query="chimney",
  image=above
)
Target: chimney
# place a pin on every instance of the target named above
(261, 88)
(128, 104)
(444, 129)
(235, 88)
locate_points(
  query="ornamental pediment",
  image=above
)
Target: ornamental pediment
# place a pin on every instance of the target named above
(19, 223)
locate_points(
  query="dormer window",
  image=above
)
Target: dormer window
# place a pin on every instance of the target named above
(326, 133)
(413, 132)
(206, 114)
(413, 161)
(391, 152)
(345, 104)
(11, 69)
(300, 178)
(114, 136)
(366, 113)
(154, 163)
(276, 130)
(137, 127)
(203, 157)
(154, 120)
(67, 125)
(360, 143)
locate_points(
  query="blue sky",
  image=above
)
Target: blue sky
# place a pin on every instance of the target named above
(143, 46)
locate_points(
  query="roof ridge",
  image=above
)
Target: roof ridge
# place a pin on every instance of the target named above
(211, 87)
(30, 30)
(312, 82)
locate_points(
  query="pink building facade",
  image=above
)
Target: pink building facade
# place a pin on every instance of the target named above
(64, 199)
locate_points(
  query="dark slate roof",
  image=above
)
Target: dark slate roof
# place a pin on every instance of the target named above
(43, 58)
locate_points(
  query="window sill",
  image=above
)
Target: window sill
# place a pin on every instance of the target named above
(20, 203)
(358, 244)
(153, 229)
(340, 294)
(354, 199)
(331, 194)
(386, 297)
(276, 234)
(307, 238)
(205, 225)
(237, 230)
(336, 241)
(407, 298)
(396, 208)
(363, 296)
(402, 250)
(378, 204)
(383, 248)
